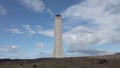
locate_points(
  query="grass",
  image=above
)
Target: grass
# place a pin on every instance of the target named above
(78, 62)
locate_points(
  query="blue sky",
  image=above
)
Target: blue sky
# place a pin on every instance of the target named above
(90, 27)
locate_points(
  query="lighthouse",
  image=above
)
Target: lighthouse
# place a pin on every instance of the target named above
(58, 38)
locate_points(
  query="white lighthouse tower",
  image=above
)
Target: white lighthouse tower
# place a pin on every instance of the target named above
(58, 48)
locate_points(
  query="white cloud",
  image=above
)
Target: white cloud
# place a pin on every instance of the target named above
(10, 49)
(39, 45)
(80, 36)
(3, 11)
(15, 31)
(103, 17)
(29, 30)
(35, 5)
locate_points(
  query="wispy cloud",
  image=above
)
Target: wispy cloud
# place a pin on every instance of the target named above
(3, 10)
(29, 30)
(39, 45)
(46, 32)
(44, 54)
(10, 49)
(34, 5)
(15, 31)
(50, 12)
(88, 51)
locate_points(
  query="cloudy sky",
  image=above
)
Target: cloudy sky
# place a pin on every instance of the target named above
(90, 27)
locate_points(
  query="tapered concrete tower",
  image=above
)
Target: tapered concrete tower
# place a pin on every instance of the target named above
(58, 48)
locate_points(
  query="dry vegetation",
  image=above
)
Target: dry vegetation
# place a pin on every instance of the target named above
(112, 61)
